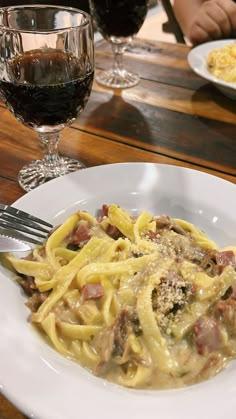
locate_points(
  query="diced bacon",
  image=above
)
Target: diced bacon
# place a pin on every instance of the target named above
(207, 335)
(105, 209)
(103, 213)
(92, 291)
(113, 232)
(82, 234)
(225, 258)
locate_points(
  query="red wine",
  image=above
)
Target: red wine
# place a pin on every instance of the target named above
(120, 18)
(47, 87)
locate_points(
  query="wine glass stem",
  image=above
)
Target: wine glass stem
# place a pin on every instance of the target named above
(50, 143)
(118, 51)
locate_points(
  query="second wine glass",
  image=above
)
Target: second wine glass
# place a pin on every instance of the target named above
(118, 21)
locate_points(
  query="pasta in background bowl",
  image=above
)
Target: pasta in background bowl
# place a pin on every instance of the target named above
(66, 388)
(222, 63)
(217, 54)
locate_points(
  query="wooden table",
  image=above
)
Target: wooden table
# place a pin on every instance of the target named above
(172, 116)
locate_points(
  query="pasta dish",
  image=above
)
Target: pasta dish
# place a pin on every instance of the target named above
(145, 301)
(222, 63)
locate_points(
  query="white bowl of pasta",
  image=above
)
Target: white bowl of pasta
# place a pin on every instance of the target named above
(106, 341)
(215, 61)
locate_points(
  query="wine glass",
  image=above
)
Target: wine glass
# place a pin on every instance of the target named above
(46, 75)
(118, 21)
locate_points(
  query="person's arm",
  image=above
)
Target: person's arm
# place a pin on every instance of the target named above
(205, 20)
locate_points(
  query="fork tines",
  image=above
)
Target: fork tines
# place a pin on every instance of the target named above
(23, 225)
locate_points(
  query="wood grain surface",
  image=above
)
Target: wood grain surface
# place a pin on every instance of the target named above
(172, 116)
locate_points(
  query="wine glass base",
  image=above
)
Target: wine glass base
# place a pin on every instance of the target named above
(38, 172)
(117, 80)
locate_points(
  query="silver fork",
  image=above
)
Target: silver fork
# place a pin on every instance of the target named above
(19, 224)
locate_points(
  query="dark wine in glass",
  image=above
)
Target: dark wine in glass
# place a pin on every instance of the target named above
(46, 88)
(118, 21)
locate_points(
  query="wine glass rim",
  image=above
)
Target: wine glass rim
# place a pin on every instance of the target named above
(86, 15)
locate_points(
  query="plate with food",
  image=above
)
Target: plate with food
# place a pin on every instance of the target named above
(129, 307)
(215, 61)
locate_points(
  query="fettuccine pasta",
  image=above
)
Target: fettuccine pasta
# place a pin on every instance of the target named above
(146, 301)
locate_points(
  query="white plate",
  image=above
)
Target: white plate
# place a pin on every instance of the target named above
(197, 59)
(45, 385)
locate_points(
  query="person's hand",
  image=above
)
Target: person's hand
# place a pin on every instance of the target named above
(215, 19)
